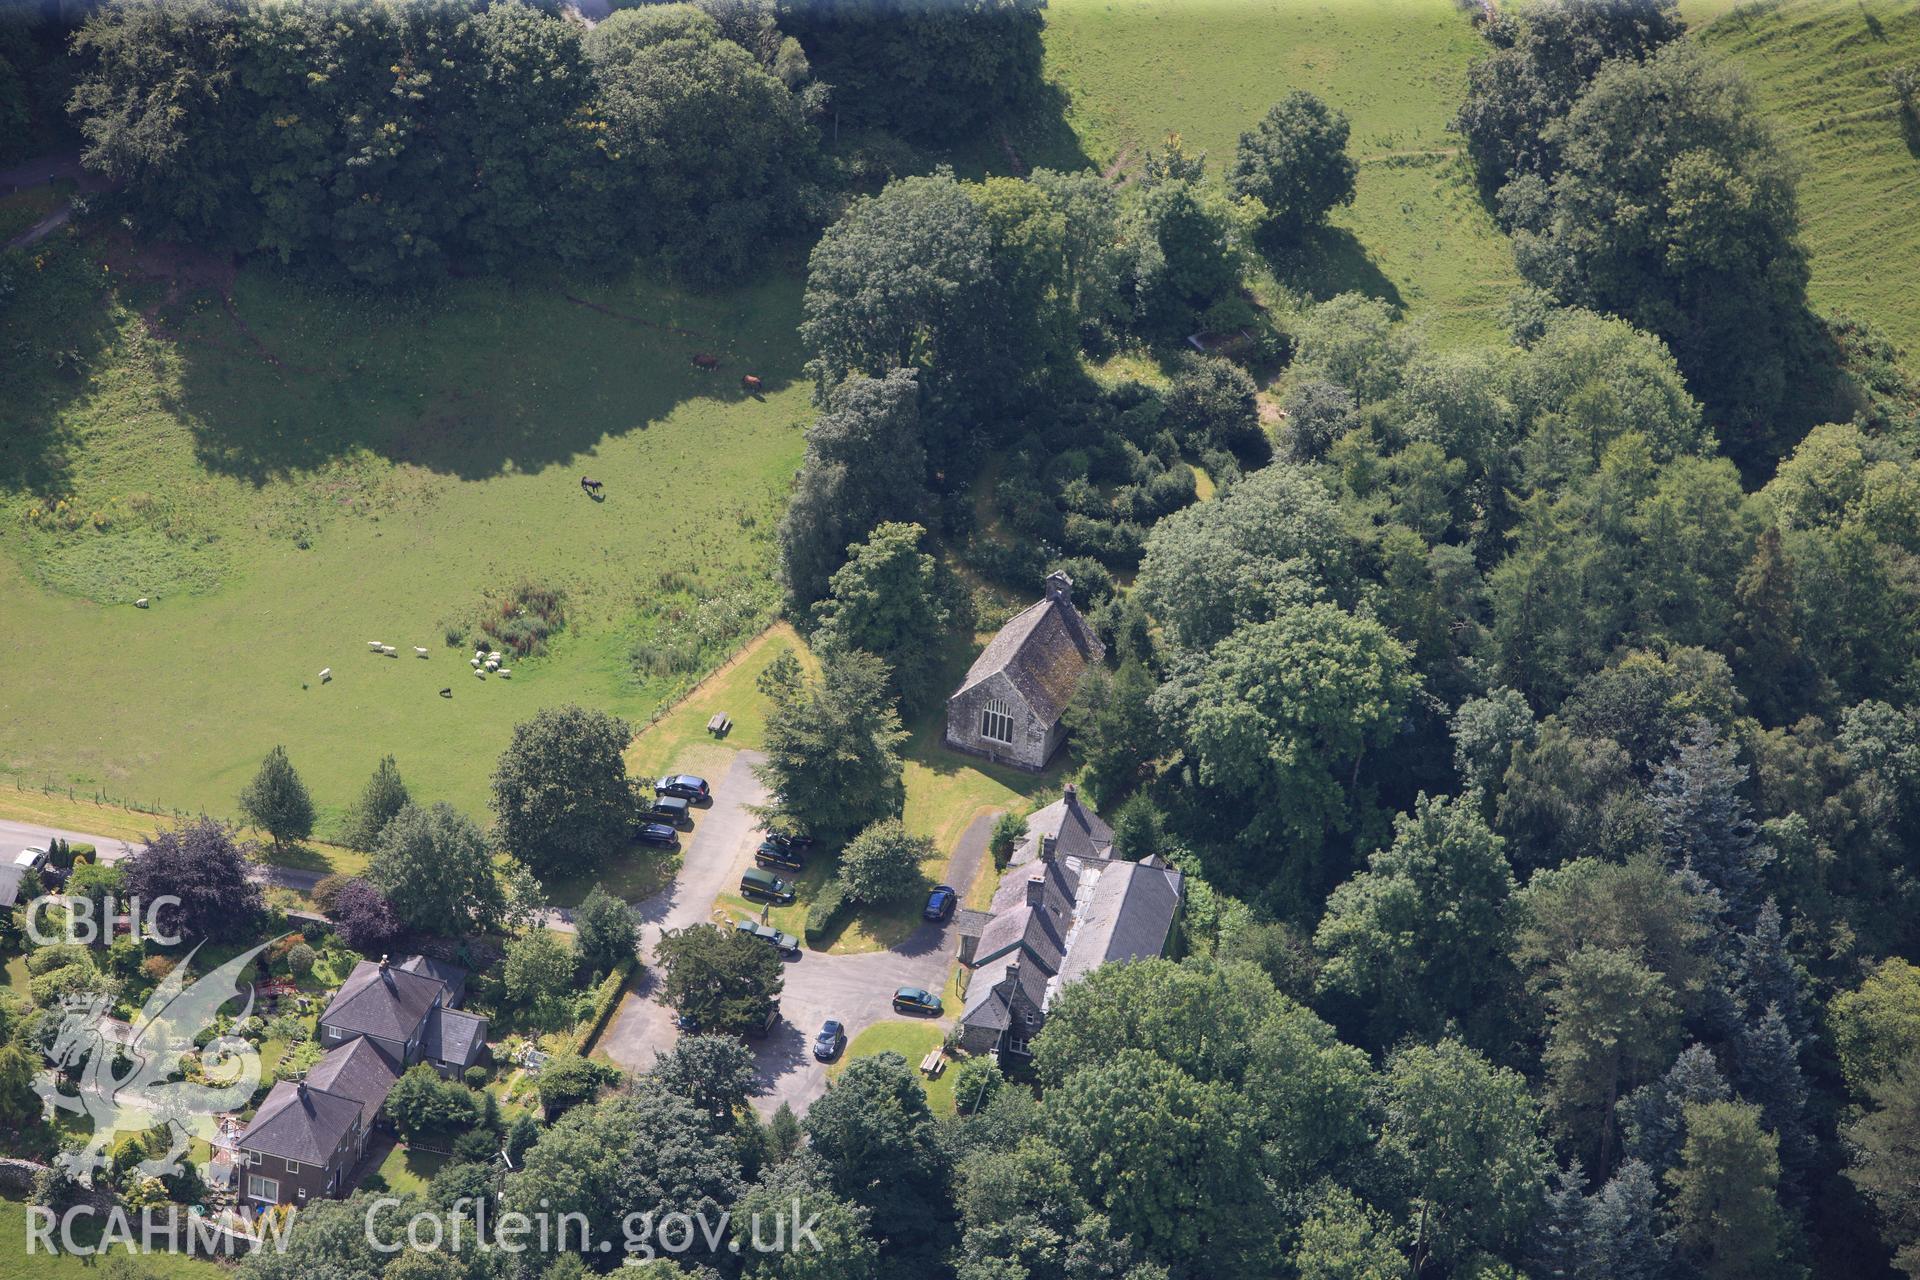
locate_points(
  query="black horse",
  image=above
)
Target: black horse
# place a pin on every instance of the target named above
(590, 486)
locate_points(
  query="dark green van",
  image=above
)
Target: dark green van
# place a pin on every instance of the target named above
(761, 884)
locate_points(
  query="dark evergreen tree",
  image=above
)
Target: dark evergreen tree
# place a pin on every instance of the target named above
(1706, 826)
(1624, 1222)
(1651, 1116)
(1767, 1072)
(1562, 1247)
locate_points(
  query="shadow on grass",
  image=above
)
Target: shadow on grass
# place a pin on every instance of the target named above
(472, 379)
(53, 329)
(1328, 261)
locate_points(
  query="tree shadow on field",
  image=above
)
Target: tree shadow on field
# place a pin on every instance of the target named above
(55, 322)
(474, 379)
(1328, 261)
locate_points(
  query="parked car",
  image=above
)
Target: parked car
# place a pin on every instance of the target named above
(761, 884)
(687, 1023)
(785, 854)
(785, 840)
(914, 1000)
(685, 786)
(832, 1039)
(32, 859)
(785, 943)
(671, 810)
(940, 902)
(656, 833)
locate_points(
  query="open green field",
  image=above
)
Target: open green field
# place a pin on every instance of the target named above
(300, 472)
(61, 1266)
(1819, 67)
(912, 1040)
(1416, 233)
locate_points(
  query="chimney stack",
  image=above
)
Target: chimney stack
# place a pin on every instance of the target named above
(1036, 888)
(1060, 587)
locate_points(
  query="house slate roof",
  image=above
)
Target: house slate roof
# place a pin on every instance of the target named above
(450, 976)
(383, 1000)
(454, 1036)
(1093, 911)
(1042, 652)
(1069, 828)
(1125, 912)
(10, 884)
(301, 1123)
(358, 1069)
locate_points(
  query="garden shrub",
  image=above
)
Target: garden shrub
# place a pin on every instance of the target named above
(825, 908)
(300, 960)
(57, 955)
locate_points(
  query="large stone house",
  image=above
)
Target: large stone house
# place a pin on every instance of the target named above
(1064, 907)
(306, 1137)
(1008, 708)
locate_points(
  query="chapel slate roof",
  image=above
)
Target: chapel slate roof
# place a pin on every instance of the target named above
(383, 1000)
(1042, 651)
(358, 1069)
(301, 1123)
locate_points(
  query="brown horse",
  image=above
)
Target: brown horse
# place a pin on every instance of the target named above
(751, 383)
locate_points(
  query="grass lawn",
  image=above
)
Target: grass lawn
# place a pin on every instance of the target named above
(15, 1261)
(1416, 233)
(1819, 69)
(912, 1041)
(407, 1170)
(309, 469)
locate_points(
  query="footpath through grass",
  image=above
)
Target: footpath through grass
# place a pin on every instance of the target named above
(1819, 67)
(1416, 234)
(294, 472)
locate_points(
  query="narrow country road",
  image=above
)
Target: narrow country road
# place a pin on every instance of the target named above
(15, 836)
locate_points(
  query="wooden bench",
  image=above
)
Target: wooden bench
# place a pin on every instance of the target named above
(720, 724)
(933, 1064)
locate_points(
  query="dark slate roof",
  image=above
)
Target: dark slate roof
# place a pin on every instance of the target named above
(450, 976)
(358, 1069)
(299, 1122)
(1042, 651)
(1125, 914)
(988, 993)
(1040, 933)
(388, 1001)
(10, 884)
(1082, 834)
(453, 1036)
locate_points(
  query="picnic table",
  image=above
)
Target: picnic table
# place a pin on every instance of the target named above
(719, 724)
(933, 1064)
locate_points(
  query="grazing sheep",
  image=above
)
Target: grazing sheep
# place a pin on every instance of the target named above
(326, 674)
(418, 652)
(504, 672)
(494, 656)
(389, 650)
(481, 674)
(474, 663)
(447, 692)
(141, 603)
(374, 646)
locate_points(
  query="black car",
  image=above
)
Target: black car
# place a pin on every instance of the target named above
(685, 786)
(832, 1039)
(671, 810)
(656, 833)
(940, 902)
(787, 853)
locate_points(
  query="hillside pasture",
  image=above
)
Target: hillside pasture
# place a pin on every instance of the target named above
(1416, 234)
(1820, 70)
(288, 472)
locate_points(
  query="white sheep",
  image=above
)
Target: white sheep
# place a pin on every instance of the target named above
(141, 603)
(389, 650)
(481, 652)
(326, 674)
(504, 672)
(418, 652)
(494, 656)
(493, 664)
(474, 663)
(479, 673)
(374, 646)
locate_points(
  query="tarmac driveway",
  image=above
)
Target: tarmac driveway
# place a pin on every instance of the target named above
(856, 989)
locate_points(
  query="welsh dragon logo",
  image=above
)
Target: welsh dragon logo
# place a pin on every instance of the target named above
(165, 1079)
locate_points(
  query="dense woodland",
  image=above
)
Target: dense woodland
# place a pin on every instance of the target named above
(1538, 723)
